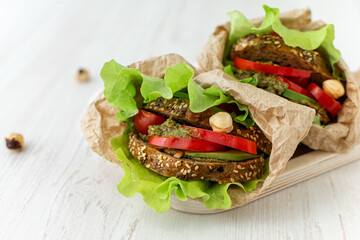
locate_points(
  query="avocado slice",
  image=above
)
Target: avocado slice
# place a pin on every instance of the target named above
(231, 155)
(297, 97)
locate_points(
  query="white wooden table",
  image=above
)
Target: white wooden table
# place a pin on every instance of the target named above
(57, 188)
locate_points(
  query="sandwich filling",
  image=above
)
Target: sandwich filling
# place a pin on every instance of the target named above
(182, 144)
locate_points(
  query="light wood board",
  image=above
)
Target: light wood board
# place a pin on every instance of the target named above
(297, 170)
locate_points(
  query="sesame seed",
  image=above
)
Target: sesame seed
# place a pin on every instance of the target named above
(181, 170)
(250, 173)
(187, 165)
(188, 171)
(167, 165)
(184, 173)
(232, 180)
(238, 166)
(248, 178)
(210, 167)
(148, 165)
(242, 176)
(246, 174)
(193, 175)
(196, 168)
(202, 177)
(236, 171)
(251, 166)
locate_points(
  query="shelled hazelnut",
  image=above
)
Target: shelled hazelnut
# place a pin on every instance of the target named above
(14, 141)
(221, 122)
(82, 75)
(334, 88)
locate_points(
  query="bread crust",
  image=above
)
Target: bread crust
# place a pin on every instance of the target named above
(272, 48)
(190, 170)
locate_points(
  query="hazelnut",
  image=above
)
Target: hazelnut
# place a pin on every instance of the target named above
(221, 122)
(82, 75)
(333, 88)
(14, 141)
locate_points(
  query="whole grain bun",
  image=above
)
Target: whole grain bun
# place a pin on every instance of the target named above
(187, 169)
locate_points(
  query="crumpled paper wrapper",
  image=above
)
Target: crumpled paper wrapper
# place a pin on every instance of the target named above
(278, 118)
(338, 137)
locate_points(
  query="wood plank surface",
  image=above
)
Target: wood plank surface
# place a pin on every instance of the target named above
(57, 188)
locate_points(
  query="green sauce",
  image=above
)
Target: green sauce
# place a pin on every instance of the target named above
(169, 129)
(268, 82)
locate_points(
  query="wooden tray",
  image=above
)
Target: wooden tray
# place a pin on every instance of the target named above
(298, 169)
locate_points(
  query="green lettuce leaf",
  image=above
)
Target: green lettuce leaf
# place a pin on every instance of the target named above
(177, 77)
(316, 120)
(120, 88)
(245, 118)
(310, 40)
(202, 99)
(156, 189)
(127, 89)
(153, 88)
(250, 80)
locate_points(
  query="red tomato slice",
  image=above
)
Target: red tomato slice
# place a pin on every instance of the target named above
(224, 139)
(325, 100)
(302, 82)
(296, 88)
(267, 68)
(186, 144)
(144, 119)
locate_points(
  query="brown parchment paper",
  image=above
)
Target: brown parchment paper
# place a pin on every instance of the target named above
(337, 137)
(277, 117)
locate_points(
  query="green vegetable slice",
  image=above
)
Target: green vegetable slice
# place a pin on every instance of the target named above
(297, 97)
(231, 155)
